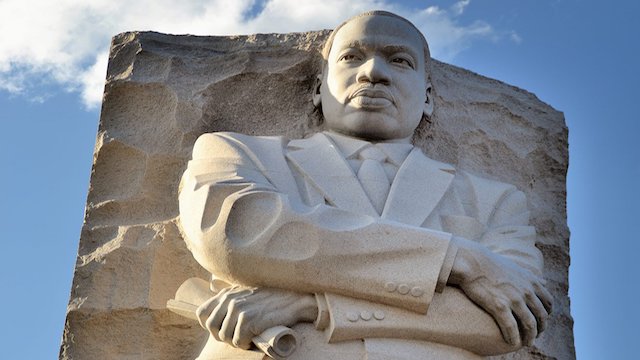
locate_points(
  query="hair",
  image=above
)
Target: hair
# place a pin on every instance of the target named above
(425, 46)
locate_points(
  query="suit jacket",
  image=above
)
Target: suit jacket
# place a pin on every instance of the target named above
(266, 211)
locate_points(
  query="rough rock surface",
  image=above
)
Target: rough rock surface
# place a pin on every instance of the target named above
(163, 91)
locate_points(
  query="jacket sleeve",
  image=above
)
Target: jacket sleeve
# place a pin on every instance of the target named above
(504, 210)
(499, 220)
(243, 229)
(452, 320)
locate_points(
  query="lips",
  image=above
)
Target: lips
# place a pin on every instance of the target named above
(371, 98)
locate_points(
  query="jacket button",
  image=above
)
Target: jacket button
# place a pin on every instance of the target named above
(379, 315)
(390, 286)
(403, 289)
(365, 315)
(351, 316)
(417, 291)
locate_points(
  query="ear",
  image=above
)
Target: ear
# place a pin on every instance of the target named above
(317, 95)
(428, 103)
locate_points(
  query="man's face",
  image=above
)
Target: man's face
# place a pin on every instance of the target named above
(374, 85)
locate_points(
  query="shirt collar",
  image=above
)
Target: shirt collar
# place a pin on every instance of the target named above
(350, 147)
(396, 152)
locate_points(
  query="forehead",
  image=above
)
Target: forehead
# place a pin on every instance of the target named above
(378, 31)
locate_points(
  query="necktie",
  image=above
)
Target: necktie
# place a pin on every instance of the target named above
(373, 178)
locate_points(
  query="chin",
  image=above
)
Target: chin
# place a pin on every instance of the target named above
(371, 127)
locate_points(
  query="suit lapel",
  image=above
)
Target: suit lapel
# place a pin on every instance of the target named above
(417, 188)
(266, 152)
(322, 164)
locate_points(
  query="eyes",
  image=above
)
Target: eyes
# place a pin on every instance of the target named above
(349, 58)
(402, 61)
(396, 59)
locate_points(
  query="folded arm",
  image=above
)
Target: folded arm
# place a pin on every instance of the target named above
(496, 301)
(244, 230)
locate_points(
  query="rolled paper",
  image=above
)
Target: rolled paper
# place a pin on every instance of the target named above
(277, 342)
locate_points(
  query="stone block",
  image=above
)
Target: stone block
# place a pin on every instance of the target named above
(163, 91)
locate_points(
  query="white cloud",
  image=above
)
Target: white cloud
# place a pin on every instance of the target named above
(446, 36)
(92, 80)
(66, 42)
(515, 37)
(458, 8)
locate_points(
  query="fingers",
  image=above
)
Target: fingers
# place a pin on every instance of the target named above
(215, 320)
(545, 297)
(214, 311)
(515, 297)
(507, 322)
(538, 310)
(205, 310)
(520, 314)
(528, 322)
(228, 326)
(244, 331)
(531, 309)
(498, 307)
(237, 315)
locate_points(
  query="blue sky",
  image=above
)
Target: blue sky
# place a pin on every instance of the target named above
(581, 57)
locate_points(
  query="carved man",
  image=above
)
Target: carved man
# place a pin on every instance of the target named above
(353, 237)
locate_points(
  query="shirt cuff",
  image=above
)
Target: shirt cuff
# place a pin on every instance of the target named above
(447, 265)
(322, 321)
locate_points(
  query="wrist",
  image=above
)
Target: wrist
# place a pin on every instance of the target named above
(322, 320)
(447, 265)
(460, 269)
(309, 308)
(467, 263)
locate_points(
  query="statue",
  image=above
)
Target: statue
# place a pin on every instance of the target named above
(353, 239)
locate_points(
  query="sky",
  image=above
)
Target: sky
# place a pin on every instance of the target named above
(580, 56)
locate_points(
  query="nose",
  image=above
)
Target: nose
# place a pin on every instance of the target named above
(374, 70)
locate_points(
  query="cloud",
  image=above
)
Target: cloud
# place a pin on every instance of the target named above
(458, 8)
(65, 42)
(515, 37)
(446, 36)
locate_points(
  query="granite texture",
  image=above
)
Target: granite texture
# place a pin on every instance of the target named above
(163, 91)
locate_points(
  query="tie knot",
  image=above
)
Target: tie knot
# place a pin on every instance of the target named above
(372, 153)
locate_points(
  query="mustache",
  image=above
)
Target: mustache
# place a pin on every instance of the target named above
(372, 91)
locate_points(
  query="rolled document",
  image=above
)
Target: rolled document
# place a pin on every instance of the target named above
(277, 342)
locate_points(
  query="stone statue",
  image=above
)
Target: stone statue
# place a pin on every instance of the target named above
(353, 238)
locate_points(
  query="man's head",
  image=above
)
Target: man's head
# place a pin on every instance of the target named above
(375, 82)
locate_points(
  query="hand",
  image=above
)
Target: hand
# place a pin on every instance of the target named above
(237, 314)
(514, 296)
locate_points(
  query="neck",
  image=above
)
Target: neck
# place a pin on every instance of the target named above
(406, 140)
